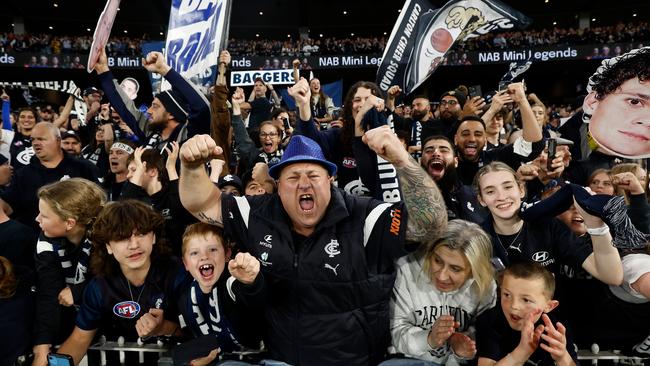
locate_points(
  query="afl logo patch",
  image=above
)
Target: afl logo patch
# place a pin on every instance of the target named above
(349, 162)
(127, 309)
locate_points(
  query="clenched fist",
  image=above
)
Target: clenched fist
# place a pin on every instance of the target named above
(198, 150)
(244, 268)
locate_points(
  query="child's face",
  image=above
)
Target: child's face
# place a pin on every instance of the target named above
(51, 223)
(133, 253)
(449, 268)
(520, 297)
(620, 122)
(205, 259)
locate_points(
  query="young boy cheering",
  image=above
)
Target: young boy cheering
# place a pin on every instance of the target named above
(523, 332)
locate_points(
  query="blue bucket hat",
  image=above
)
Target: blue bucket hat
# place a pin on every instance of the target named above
(302, 149)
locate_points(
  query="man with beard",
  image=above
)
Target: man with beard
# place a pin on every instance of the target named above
(449, 111)
(421, 123)
(440, 161)
(470, 140)
(174, 115)
(71, 143)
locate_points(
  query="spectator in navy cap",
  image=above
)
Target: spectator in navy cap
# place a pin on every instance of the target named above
(71, 143)
(230, 184)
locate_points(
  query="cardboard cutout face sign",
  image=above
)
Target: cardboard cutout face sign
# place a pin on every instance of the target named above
(617, 107)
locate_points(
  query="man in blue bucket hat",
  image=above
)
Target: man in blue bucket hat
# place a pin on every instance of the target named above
(327, 257)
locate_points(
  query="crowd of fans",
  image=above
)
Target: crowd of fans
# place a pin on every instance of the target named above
(619, 33)
(126, 46)
(49, 44)
(333, 239)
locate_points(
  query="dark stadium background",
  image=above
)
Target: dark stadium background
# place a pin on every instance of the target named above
(555, 81)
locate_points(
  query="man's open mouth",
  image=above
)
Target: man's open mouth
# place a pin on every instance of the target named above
(306, 202)
(436, 166)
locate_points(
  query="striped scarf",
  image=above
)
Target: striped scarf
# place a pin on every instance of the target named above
(215, 324)
(74, 260)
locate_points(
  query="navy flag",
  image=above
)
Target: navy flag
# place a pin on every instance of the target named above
(422, 35)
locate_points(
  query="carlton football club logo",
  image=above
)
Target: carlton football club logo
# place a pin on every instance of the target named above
(25, 156)
(332, 249)
(127, 309)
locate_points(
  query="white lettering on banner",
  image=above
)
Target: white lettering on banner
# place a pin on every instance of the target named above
(127, 62)
(550, 55)
(6, 59)
(360, 61)
(388, 181)
(328, 61)
(396, 58)
(245, 78)
(507, 56)
(244, 62)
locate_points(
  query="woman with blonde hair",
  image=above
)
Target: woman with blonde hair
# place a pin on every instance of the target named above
(67, 210)
(438, 294)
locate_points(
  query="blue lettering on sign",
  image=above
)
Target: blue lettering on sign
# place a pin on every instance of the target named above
(207, 44)
(185, 12)
(189, 50)
(126, 309)
(183, 53)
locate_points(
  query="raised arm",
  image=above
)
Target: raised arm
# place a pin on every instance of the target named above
(6, 111)
(427, 215)
(63, 117)
(531, 131)
(114, 97)
(244, 145)
(498, 101)
(198, 194)
(605, 262)
(199, 108)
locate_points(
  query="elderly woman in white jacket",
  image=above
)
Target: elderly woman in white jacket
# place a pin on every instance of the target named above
(438, 294)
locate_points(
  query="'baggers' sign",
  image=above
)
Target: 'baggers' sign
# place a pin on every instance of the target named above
(275, 77)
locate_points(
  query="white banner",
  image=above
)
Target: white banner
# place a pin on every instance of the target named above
(102, 32)
(196, 32)
(245, 78)
(64, 86)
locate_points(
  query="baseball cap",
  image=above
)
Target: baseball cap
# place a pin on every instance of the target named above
(91, 90)
(70, 133)
(230, 180)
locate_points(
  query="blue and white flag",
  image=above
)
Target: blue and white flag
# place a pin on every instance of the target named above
(422, 36)
(197, 31)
